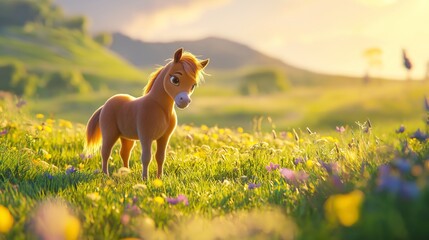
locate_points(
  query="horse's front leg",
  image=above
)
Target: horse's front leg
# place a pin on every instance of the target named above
(161, 146)
(146, 157)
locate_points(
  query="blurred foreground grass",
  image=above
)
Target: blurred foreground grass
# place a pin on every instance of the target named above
(359, 182)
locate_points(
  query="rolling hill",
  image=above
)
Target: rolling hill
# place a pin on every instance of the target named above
(225, 55)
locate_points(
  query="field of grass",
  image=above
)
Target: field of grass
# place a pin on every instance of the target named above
(46, 49)
(362, 182)
(217, 102)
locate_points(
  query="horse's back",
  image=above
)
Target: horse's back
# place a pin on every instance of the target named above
(116, 113)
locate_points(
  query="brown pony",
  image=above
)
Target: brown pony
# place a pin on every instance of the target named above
(147, 118)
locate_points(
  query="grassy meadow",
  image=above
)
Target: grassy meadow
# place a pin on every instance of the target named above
(364, 181)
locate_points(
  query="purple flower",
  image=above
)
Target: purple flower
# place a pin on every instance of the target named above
(340, 129)
(292, 176)
(331, 168)
(20, 103)
(401, 129)
(252, 186)
(298, 161)
(49, 176)
(336, 182)
(402, 164)
(180, 198)
(83, 156)
(409, 190)
(272, 167)
(4, 132)
(392, 183)
(70, 170)
(419, 135)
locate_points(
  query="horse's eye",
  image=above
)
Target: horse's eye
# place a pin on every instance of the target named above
(174, 80)
(193, 87)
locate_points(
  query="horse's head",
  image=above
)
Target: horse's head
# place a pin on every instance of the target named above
(182, 77)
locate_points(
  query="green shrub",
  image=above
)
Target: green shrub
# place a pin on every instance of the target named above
(264, 81)
(66, 82)
(104, 39)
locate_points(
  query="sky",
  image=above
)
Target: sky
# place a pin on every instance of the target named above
(327, 36)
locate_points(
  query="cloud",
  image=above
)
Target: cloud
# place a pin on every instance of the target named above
(151, 25)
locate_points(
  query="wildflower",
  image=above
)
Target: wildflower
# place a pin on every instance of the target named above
(45, 154)
(298, 160)
(272, 167)
(419, 135)
(40, 116)
(125, 219)
(157, 183)
(4, 132)
(390, 181)
(240, 130)
(53, 220)
(95, 196)
(252, 186)
(49, 176)
(180, 198)
(159, 200)
(83, 156)
(6, 220)
(20, 103)
(402, 164)
(70, 170)
(292, 176)
(65, 124)
(123, 171)
(401, 129)
(340, 129)
(204, 128)
(134, 210)
(344, 208)
(331, 168)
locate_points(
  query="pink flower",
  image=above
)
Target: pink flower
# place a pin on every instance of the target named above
(340, 129)
(180, 198)
(293, 177)
(4, 132)
(272, 167)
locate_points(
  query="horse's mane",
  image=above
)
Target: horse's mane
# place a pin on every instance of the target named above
(190, 63)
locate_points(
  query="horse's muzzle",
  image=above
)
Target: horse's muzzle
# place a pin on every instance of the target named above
(182, 100)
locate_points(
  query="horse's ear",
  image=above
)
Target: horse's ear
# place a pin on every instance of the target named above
(178, 55)
(204, 62)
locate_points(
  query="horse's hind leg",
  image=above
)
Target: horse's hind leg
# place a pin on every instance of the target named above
(126, 147)
(106, 150)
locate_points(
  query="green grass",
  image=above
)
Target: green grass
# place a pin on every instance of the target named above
(45, 49)
(213, 167)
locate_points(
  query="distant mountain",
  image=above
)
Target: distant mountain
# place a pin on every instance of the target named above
(224, 55)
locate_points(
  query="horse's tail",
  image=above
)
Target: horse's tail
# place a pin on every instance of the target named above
(93, 132)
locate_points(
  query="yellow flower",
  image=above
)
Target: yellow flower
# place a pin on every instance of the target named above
(94, 196)
(240, 130)
(50, 121)
(157, 183)
(40, 116)
(344, 208)
(159, 200)
(309, 163)
(6, 220)
(81, 166)
(204, 128)
(65, 123)
(71, 228)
